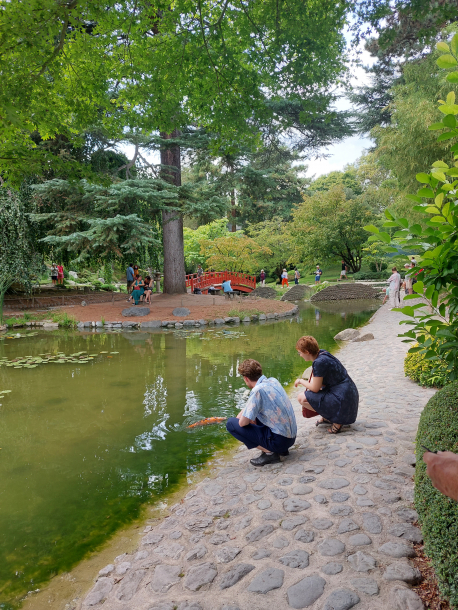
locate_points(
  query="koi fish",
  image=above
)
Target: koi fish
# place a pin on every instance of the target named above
(207, 421)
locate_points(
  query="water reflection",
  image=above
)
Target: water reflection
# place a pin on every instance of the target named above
(84, 446)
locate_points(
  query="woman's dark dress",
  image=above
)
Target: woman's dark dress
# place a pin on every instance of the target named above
(338, 400)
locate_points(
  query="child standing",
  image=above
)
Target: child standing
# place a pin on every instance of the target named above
(284, 279)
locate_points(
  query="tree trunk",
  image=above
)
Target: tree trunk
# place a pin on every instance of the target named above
(233, 212)
(172, 222)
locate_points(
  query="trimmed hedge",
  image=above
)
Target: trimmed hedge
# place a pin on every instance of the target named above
(438, 515)
(420, 370)
(374, 275)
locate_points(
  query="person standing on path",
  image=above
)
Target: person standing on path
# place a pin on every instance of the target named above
(297, 275)
(284, 279)
(395, 285)
(330, 391)
(318, 274)
(129, 278)
(267, 422)
(262, 277)
(54, 274)
(343, 273)
(60, 274)
(200, 271)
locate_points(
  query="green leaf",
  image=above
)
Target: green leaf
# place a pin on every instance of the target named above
(436, 126)
(453, 171)
(423, 178)
(371, 229)
(416, 229)
(419, 287)
(429, 292)
(452, 77)
(446, 136)
(431, 209)
(403, 222)
(385, 237)
(407, 310)
(419, 208)
(454, 45)
(409, 297)
(439, 176)
(443, 46)
(426, 192)
(450, 99)
(390, 223)
(448, 109)
(389, 215)
(389, 249)
(415, 198)
(449, 121)
(441, 164)
(435, 298)
(442, 309)
(446, 61)
(401, 233)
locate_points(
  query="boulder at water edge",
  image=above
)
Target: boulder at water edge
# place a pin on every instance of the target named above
(347, 335)
(136, 311)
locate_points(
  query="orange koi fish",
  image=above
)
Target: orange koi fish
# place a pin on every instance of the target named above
(207, 421)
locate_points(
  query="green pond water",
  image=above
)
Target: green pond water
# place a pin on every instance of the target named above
(85, 445)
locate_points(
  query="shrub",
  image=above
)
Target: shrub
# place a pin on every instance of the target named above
(419, 369)
(438, 515)
(373, 266)
(108, 287)
(373, 275)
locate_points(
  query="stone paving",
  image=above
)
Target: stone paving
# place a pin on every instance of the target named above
(330, 528)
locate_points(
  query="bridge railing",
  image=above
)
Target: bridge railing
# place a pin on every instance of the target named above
(239, 281)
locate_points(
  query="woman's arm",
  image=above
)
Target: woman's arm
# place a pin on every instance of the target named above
(314, 385)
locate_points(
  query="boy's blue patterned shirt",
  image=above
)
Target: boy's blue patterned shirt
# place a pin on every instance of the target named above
(269, 403)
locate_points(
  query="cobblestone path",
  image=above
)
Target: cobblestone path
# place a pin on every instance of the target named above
(330, 528)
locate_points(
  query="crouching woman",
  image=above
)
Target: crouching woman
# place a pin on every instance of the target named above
(330, 391)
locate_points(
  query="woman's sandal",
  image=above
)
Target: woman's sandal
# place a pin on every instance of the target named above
(322, 421)
(335, 429)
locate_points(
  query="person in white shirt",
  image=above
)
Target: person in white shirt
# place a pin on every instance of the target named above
(395, 285)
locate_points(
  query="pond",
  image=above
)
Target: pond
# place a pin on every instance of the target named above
(87, 440)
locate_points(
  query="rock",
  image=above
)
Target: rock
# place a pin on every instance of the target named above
(341, 599)
(372, 523)
(284, 481)
(198, 524)
(339, 496)
(362, 562)
(402, 571)
(341, 511)
(263, 504)
(226, 554)
(406, 599)
(129, 585)
(152, 538)
(280, 543)
(365, 585)
(243, 523)
(320, 499)
(305, 593)
(266, 581)
(397, 550)
(302, 490)
(294, 505)
(171, 550)
(365, 337)
(322, 524)
(347, 525)
(106, 570)
(196, 553)
(235, 574)
(359, 540)
(259, 532)
(347, 335)
(304, 536)
(200, 575)
(279, 493)
(331, 547)
(74, 275)
(332, 568)
(409, 458)
(151, 324)
(99, 592)
(292, 522)
(336, 483)
(123, 567)
(230, 607)
(181, 311)
(218, 321)
(164, 577)
(295, 559)
(135, 311)
(261, 554)
(219, 538)
(359, 490)
(187, 605)
(273, 515)
(406, 531)
(407, 514)
(163, 606)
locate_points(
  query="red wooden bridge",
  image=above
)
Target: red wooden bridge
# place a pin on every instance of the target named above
(239, 281)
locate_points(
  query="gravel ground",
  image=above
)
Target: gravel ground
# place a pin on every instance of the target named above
(330, 528)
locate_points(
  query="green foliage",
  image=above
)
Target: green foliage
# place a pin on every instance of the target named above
(348, 179)
(423, 371)
(193, 237)
(433, 321)
(438, 515)
(370, 275)
(329, 226)
(275, 235)
(244, 313)
(234, 252)
(67, 67)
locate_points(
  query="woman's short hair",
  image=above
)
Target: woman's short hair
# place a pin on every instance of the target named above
(393, 269)
(251, 369)
(308, 344)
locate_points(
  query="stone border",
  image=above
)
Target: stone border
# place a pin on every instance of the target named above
(186, 323)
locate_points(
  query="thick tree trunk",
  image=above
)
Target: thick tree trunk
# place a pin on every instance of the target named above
(172, 222)
(233, 212)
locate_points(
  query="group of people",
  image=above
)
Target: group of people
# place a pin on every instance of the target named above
(393, 291)
(267, 422)
(57, 274)
(138, 288)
